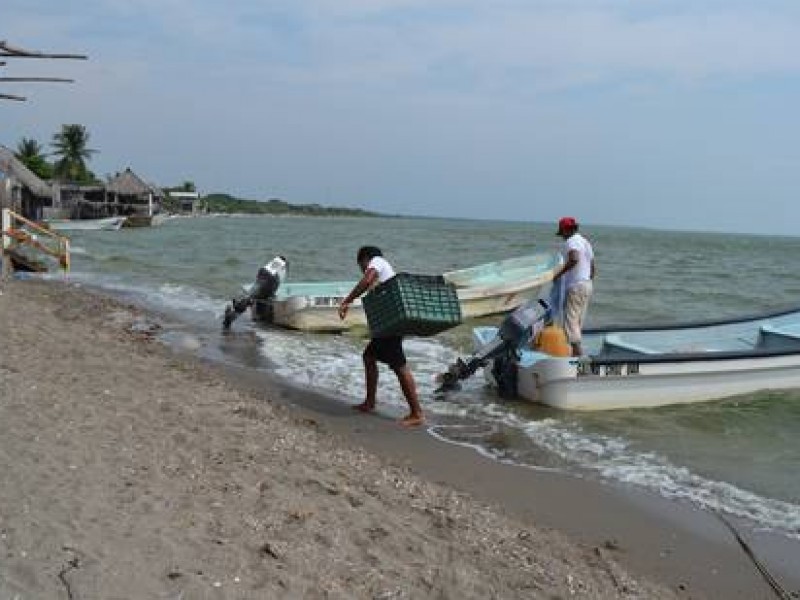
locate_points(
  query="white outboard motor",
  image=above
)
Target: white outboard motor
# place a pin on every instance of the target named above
(259, 293)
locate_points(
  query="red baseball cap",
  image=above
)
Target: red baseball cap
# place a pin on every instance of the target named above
(566, 223)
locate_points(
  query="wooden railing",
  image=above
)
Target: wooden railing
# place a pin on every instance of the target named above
(18, 231)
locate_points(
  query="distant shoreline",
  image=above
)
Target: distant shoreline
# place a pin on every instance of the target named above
(227, 204)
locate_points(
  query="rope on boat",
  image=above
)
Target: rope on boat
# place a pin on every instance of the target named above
(780, 591)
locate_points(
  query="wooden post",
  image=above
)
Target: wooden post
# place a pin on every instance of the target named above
(65, 254)
(5, 243)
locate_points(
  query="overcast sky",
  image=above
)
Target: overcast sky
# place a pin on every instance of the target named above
(677, 114)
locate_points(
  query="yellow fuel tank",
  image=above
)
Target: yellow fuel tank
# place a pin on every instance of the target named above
(552, 340)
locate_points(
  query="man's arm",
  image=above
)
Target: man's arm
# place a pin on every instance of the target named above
(365, 283)
(572, 260)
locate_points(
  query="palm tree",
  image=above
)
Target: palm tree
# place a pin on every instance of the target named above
(71, 146)
(31, 154)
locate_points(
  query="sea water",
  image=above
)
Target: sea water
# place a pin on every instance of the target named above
(740, 455)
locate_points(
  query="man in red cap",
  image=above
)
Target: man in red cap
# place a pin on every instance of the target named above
(576, 274)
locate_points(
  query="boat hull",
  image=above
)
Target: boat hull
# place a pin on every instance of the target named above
(495, 289)
(106, 224)
(570, 384)
(318, 313)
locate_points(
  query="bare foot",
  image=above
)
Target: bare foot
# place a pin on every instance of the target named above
(412, 421)
(364, 407)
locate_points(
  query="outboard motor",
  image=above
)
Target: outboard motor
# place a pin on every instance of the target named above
(259, 293)
(514, 333)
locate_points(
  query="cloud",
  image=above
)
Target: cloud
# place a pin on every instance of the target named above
(372, 40)
(404, 103)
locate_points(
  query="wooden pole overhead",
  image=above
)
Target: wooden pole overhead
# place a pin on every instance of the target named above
(7, 50)
(53, 79)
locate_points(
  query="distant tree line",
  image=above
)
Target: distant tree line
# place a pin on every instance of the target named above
(225, 203)
(71, 152)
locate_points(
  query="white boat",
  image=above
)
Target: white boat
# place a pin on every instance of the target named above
(108, 224)
(630, 367)
(488, 289)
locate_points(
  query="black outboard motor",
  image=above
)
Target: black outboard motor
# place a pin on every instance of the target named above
(516, 331)
(261, 291)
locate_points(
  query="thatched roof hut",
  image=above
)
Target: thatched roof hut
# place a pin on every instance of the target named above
(129, 183)
(14, 168)
(135, 194)
(21, 189)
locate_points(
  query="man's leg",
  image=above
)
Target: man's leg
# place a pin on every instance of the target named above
(409, 387)
(576, 305)
(370, 380)
(586, 296)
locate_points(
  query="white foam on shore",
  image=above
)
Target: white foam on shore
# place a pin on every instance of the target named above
(333, 363)
(166, 295)
(437, 432)
(613, 458)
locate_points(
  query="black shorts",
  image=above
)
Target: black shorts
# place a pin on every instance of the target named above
(387, 350)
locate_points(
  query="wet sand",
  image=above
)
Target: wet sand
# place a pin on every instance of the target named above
(133, 471)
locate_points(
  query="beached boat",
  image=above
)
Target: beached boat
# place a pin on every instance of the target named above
(108, 224)
(632, 367)
(488, 289)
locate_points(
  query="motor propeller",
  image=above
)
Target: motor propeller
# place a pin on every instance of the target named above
(263, 289)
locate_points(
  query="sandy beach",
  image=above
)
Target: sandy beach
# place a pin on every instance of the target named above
(133, 471)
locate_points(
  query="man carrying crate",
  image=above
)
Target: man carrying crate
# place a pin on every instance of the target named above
(387, 350)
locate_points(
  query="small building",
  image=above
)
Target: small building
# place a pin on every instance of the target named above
(185, 202)
(77, 201)
(133, 196)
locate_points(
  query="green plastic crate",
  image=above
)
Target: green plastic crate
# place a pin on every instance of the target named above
(410, 304)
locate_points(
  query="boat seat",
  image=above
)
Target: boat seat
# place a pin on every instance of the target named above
(613, 344)
(774, 337)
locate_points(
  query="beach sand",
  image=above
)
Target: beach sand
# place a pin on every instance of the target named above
(132, 471)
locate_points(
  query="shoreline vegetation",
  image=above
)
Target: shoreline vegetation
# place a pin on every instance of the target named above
(226, 204)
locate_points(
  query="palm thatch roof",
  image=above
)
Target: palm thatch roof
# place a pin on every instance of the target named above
(129, 183)
(14, 167)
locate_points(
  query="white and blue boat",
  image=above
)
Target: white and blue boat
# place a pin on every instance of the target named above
(633, 367)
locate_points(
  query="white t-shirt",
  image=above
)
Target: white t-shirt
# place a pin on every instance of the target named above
(583, 270)
(382, 266)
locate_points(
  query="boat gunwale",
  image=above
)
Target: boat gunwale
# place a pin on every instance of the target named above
(753, 317)
(685, 357)
(461, 277)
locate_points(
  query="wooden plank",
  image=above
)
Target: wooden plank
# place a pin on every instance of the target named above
(20, 262)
